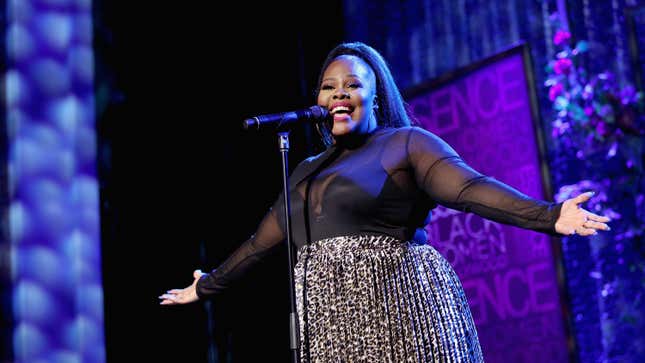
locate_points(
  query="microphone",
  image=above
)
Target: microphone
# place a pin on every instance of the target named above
(276, 120)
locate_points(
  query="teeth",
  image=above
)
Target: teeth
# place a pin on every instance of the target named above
(339, 108)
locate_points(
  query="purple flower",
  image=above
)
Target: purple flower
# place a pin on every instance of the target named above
(601, 128)
(562, 66)
(628, 95)
(555, 91)
(587, 92)
(561, 37)
(559, 127)
(605, 110)
(612, 150)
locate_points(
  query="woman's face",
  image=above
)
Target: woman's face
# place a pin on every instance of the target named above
(348, 90)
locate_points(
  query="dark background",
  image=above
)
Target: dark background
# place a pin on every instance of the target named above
(182, 184)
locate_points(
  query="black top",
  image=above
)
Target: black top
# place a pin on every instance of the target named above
(386, 182)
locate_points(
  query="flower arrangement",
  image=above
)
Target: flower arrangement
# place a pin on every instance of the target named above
(597, 143)
(599, 123)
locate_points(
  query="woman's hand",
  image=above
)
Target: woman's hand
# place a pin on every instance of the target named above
(182, 296)
(574, 219)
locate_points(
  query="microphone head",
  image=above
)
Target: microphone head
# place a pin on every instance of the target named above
(278, 120)
(319, 112)
(250, 122)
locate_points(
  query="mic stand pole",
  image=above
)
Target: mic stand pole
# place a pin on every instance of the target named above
(283, 141)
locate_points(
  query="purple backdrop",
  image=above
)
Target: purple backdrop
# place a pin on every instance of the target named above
(510, 275)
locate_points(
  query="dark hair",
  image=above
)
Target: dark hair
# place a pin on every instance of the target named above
(392, 110)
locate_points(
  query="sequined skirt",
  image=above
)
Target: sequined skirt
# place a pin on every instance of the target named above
(376, 299)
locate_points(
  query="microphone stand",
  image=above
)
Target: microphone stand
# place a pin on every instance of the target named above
(283, 143)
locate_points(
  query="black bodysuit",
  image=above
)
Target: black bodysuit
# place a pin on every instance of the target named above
(386, 182)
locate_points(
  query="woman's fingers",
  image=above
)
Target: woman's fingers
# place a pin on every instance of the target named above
(173, 296)
(592, 221)
(181, 296)
(596, 225)
(576, 220)
(167, 296)
(169, 299)
(583, 197)
(597, 218)
(585, 231)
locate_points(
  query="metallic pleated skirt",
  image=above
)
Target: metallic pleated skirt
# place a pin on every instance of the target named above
(374, 299)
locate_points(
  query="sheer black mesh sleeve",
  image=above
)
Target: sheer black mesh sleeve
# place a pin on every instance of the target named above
(447, 179)
(268, 235)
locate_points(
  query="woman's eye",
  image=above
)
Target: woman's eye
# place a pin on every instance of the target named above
(354, 85)
(326, 87)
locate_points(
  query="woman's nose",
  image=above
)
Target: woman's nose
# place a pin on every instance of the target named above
(340, 93)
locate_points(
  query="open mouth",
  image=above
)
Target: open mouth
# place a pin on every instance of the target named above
(341, 111)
